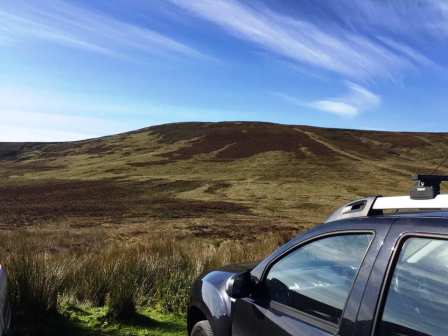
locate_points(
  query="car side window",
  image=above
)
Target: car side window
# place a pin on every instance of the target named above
(417, 297)
(316, 279)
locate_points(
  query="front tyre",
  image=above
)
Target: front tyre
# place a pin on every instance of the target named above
(202, 328)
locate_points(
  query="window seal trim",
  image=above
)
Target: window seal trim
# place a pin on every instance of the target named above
(318, 322)
(393, 260)
(304, 317)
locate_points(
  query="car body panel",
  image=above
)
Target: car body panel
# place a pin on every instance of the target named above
(5, 313)
(250, 318)
(209, 295)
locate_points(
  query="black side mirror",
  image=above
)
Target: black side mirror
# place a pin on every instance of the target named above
(239, 286)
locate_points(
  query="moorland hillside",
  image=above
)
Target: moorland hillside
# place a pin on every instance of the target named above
(215, 180)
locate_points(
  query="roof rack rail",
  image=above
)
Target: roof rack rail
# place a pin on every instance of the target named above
(424, 196)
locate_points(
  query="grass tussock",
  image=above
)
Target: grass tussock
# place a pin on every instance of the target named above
(35, 281)
(122, 277)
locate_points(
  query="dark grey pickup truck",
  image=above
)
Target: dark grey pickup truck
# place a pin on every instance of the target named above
(377, 267)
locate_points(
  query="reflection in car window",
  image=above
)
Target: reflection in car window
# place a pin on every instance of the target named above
(417, 298)
(317, 278)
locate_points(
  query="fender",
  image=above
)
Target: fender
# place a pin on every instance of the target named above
(209, 295)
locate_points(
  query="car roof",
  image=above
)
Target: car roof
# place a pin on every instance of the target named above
(420, 214)
(401, 206)
(388, 218)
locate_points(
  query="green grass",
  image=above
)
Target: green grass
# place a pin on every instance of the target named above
(145, 322)
(85, 320)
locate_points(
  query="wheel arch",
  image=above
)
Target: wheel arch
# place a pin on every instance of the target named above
(195, 315)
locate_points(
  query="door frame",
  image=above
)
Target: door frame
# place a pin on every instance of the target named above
(379, 227)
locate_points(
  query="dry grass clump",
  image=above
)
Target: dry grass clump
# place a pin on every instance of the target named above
(35, 281)
(156, 272)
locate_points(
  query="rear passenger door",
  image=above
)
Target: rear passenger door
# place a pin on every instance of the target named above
(413, 292)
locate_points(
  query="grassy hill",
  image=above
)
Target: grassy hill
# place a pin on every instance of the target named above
(214, 180)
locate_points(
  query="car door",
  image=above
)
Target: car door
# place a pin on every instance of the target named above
(314, 287)
(407, 293)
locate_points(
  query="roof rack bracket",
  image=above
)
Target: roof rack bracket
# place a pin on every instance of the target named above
(427, 186)
(358, 208)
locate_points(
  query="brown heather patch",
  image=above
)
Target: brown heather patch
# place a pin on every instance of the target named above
(233, 141)
(103, 202)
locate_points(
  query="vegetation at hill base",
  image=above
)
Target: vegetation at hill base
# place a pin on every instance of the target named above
(104, 236)
(140, 288)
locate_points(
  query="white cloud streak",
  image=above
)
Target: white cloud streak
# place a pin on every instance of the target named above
(73, 26)
(411, 19)
(327, 46)
(413, 55)
(357, 100)
(335, 107)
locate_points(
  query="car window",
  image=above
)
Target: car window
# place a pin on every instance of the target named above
(417, 298)
(317, 278)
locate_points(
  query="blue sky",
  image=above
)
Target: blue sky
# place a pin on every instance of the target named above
(78, 69)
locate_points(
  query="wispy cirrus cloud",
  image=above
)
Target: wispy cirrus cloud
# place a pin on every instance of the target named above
(331, 46)
(437, 23)
(357, 100)
(73, 26)
(414, 56)
(412, 20)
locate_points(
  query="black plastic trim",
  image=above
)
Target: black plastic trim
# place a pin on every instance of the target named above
(304, 317)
